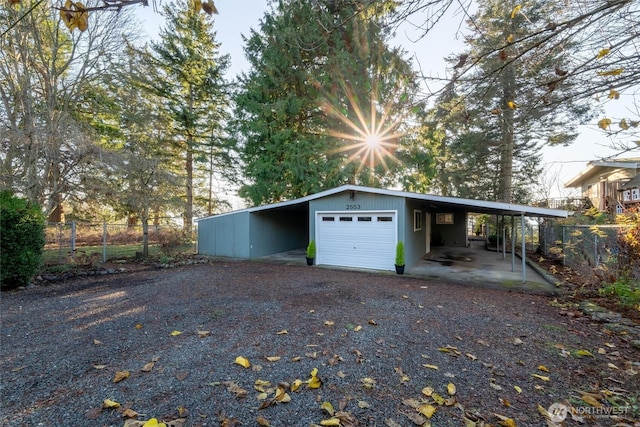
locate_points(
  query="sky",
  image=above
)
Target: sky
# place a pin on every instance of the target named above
(237, 17)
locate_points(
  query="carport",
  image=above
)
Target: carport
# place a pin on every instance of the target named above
(357, 227)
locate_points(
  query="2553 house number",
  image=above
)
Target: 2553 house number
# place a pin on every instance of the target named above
(352, 207)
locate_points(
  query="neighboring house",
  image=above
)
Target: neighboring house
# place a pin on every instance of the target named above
(631, 193)
(602, 182)
(352, 226)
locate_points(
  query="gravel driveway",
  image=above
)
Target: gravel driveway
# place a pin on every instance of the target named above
(389, 350)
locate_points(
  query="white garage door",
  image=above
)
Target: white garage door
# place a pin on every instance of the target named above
(362, 239)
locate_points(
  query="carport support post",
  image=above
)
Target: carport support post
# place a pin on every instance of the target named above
(497, 234)
(524, 253)
(504, 239)
(513, 243)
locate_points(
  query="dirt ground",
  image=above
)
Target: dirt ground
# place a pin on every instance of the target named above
(374, 350)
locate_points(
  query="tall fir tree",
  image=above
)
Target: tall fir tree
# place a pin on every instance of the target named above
(322, 78)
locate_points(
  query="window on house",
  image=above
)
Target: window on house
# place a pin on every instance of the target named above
(364, 219)
(417, 220)
(444, 218)
(346, 218)
(328, 218)
(385, 219)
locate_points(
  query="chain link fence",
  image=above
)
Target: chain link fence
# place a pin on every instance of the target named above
(589, 249)
(90, 244)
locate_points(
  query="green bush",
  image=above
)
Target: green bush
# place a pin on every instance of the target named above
(400, 254)
(21, 240)
(311, 249)
(625, 291)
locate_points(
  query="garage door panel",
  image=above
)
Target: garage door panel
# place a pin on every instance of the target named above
(365, 243)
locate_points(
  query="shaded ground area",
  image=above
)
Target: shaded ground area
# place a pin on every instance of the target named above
(385, 347)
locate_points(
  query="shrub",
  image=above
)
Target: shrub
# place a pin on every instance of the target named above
(400, 254)
(311, 249)
(625, 291)
(21, 240)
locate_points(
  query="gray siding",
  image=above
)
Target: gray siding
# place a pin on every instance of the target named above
(360, 202)
(415, 242)
(449, 234)
(226, 235)
(277, 231)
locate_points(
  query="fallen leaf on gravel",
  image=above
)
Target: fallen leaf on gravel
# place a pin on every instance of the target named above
(391, 423)
(612, 366)
(415, 417)
(97, 342)
(357, 328)
(335, 360)
(183, 412)
(451, 389)
(608, 344)
(591, 400)
(108, 403)
(438, 399)
(541, 377)
(259, 385)
(341, 374)
(543, 368)
(181, 375)
(327, 406)
(403, 377)
(99, 366)
(505, 421)
(505, 402)
(283, 332)
(129, 413)
(121, 375)
(174, 334)
(314, 381)
(329, 323)
(93, 413)
(296, 359)
(139, 326)
(427, 410)
(517, 341)
(582, 353)
(263, 421)
(148, 367)
(330, 422)
(372, 322)
(262, 396)
(235, 388)
(242, 361)
(296, 385)
(471, 356)
(495, 386)
(273, 358)
(359, 356)
(430, 366)
(203, 334)
(368, 382)
(518, 389)
(427, 391)
(363, 405)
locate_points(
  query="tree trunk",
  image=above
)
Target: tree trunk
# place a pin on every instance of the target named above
(145, 233)
(505, 178)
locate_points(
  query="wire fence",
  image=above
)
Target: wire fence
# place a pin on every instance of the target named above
(593, 250)
(92, 243)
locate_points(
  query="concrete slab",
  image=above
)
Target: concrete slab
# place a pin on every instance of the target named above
(474, 266)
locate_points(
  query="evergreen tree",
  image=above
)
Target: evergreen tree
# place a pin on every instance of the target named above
(185, 70)
(323, 80)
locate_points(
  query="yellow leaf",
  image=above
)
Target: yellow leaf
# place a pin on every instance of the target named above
(314, 381)
(507, 422)
(543, 368)
(296, 359)
(438, 399)
(296, 385)
(541, 377)
(108, 403)
(139, 326)
(262, 396)
(623, 124)
(283, 332)
(328, 407)
(263, 421)
(197, 5)
(368, 382)
(589, 399)
(175, 333)
(518, 389)
(510, 38)
(97, 342)
(242, 361)
(203, 334)
(613, 94)
(357, 328)
(604, 123)
(612, 366)
(153, 422)
(451, 389)
(603, 53)
(99, 366)
(120, 375)
(273, 358)
(330, 422)
(515, 11)
(512, 105)
(615, 72)
(329, 323)
(585, 352)
(430, 366)
(148, 367)
(427, 391)
(363, 405)
(471, 356)
(129, 413)
(427, 410)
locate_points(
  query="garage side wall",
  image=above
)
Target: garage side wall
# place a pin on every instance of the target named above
(449, 233)
(278, 231)
(415, 240)
(225, 235)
